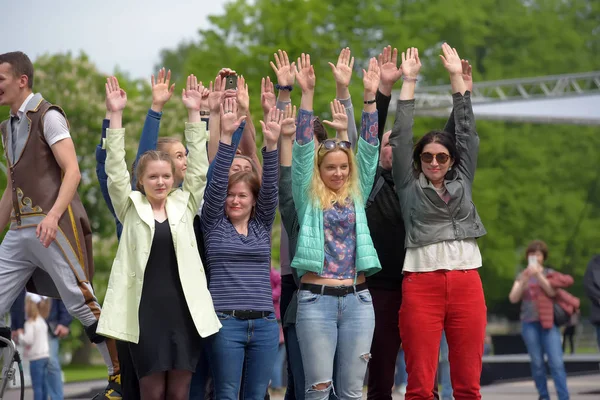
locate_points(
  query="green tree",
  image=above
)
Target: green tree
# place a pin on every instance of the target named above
(533, 181)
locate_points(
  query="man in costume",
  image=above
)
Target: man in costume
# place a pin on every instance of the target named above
(49, 244)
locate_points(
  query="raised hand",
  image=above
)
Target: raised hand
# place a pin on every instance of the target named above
(371, 77)
(272, 128)
(338, 115)
(390, 72)
(116, 98)
(229, 117)
(342, 71)
(411, 64)
(288, 124)
(204, 106)
(305, 73)
(243, 98)
(161, 91)
(225, 72)
(216, 95)
(467, 74)
(283, 69)
(267, 95)
(451, 60)
(192, 94)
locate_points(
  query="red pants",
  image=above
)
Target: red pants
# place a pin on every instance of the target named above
(443, 300)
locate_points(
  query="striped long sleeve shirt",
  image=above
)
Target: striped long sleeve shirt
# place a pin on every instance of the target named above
(238, 265)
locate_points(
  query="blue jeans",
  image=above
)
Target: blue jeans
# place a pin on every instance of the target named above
(444, 369)
(38, 369)
(335, 334)
(401, 377)
(250, 345)
(54, 376)
(540, 341)
(277, 376)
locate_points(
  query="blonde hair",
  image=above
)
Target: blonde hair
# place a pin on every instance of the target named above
(34, 310)
(165, 143)
(150, 155)
(326, 197)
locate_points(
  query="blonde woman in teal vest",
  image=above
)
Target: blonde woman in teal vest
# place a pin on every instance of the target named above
(335, 319)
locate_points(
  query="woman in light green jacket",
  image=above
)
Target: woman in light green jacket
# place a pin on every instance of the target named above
(157, 298)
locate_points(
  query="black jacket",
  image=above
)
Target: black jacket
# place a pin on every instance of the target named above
(591, 284)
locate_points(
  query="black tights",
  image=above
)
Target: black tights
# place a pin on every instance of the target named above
(171, 385)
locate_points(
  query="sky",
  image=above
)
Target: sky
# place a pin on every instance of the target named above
(125, 33)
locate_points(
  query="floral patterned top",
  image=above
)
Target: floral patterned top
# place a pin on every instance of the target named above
(339, 223)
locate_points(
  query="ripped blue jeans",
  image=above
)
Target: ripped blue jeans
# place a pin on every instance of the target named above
(335, 334)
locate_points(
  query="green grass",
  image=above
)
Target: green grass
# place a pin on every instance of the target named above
(78, 373)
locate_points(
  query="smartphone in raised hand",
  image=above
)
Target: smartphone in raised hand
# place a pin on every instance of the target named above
(231, 82)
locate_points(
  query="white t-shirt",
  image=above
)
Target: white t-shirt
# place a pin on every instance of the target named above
(35, 339)
(55, 124)
(449, 254)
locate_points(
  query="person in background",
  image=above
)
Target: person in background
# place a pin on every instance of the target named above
(536, 289)
(59, 322)
(591, 284)
(569, 332)
(444, 370)
(401, 377)
(35, 339)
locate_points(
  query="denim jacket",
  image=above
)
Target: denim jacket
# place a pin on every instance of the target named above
(427, 218)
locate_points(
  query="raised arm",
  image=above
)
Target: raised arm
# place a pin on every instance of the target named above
(286, 76)
(119, 183)
(216, 190)
(339, 120)
(390, 74)
(342, 73)
(368, 144)
(195, 137)
(215, 99)
(467, 74)
(286, 198)
(401, 138)
(467, 139)
(266, 204)
(247, 142)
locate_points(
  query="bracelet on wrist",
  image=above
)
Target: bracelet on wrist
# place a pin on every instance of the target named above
(204, 113)
(289, 88)
(370, 101)
(408, 79)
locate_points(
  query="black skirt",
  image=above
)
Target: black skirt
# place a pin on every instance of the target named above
(168, 337)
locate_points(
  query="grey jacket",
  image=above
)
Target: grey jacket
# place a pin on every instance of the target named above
(427, 218)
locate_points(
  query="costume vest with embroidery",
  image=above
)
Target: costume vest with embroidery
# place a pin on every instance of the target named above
(36, 178)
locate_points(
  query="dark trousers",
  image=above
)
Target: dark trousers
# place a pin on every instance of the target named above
(130, 387)
(568, 334)
(386, 343)
(288, 287)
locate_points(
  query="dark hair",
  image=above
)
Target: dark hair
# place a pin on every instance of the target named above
(537, 245)
(21, 65)
(319, 130)
(249, 178)
(150, 155)
(445, 139)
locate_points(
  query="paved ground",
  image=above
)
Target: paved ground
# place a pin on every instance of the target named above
(581, 387)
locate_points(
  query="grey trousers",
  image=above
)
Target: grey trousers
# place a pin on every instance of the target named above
(21, 252)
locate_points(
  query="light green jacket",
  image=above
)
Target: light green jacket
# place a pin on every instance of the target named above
(119, 317)
(310, 250)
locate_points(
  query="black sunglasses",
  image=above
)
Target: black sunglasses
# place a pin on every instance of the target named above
(330, 144)
(442, 158)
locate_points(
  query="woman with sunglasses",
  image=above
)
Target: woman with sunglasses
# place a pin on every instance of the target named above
(441, 290)
(335, 318)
